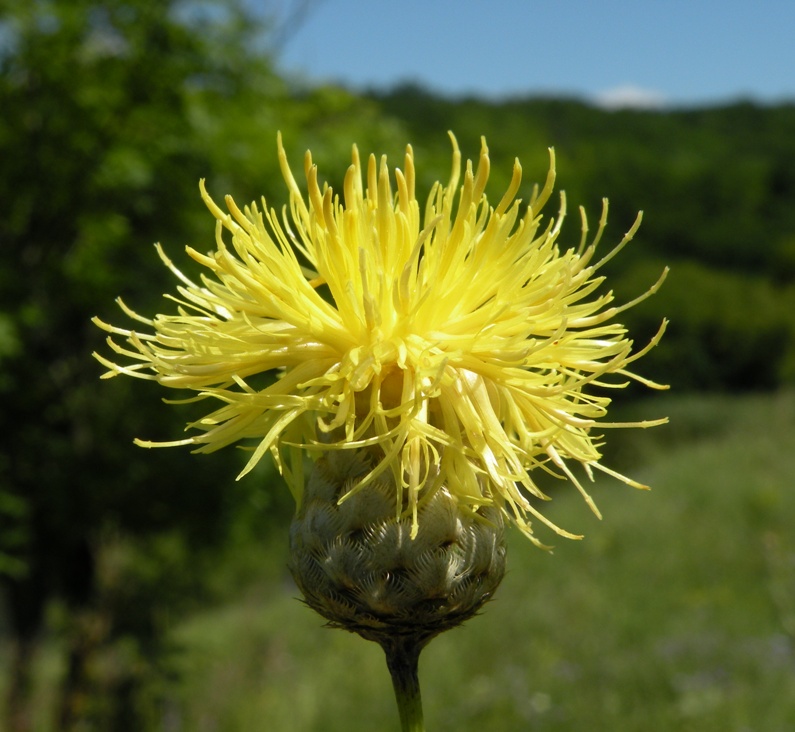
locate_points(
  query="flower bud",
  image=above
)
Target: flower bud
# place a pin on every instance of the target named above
(356, 564)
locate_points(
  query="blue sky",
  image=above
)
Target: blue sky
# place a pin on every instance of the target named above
(644, 52)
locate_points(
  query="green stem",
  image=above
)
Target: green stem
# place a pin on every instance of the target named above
(402, 658)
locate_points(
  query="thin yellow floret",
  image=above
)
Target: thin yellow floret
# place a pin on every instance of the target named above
(459, 341)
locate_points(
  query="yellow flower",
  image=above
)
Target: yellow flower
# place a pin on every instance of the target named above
(461, 342)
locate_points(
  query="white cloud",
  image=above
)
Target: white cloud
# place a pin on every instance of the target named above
(629, 96)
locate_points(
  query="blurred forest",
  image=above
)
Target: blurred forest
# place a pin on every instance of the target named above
(110, 112)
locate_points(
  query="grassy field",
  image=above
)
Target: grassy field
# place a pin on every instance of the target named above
(677, 611)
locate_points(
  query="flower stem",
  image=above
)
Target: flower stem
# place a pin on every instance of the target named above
(402, 659)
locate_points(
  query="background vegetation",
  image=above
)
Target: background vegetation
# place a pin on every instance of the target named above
(147, 591)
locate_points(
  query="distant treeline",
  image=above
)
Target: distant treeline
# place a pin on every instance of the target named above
(717, 187)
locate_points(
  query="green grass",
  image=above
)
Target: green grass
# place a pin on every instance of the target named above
(676, 612)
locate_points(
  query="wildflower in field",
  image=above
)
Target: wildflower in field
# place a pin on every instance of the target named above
(460, 344)
(430, 362)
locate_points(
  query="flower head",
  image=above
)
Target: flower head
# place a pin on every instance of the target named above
(460, 343)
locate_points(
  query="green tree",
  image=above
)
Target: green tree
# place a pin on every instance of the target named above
(716, 186)
(101, 153)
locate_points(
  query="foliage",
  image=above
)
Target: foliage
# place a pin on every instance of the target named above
(97, 164)
(676, 612)
(717, 186)
(729, 331)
